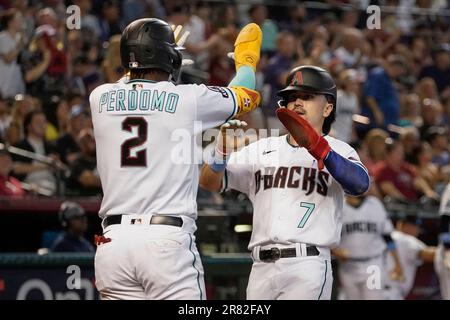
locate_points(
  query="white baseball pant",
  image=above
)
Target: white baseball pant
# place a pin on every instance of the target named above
(297, 278)
(144, 262)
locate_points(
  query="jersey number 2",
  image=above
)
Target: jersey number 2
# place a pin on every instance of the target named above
(140, 159)
(309, 210)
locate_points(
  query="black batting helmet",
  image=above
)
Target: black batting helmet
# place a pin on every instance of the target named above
(314, 80)
(150, 44)
(68, 211)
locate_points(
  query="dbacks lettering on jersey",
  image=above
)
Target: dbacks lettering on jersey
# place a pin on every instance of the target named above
(360, 226)
(283, 177)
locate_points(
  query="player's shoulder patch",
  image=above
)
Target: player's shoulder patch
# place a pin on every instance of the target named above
(221, 90)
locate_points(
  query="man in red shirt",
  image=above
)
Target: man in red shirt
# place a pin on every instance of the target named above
(397, 179)
(9, 186)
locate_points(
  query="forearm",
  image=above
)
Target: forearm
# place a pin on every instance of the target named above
(350, 175)
(211, 180)
(372, 104)
(389, 189)
(427, 254)
(243, 85)
(424, 187)
(89, 180)
(36, 72)
(22, 168)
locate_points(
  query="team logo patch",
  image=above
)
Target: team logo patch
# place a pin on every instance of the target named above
(220, 90)
(136, 221)
(297, 79)
(253, 95)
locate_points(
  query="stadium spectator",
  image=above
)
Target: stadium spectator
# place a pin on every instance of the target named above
(376, 149)
(34, 172)
(431, 115)
(110, 22)
(380, 98)
(439, 71)
(347, 105)
(74, 221)
(349, 53)
(397, 179)
(45, 67)
(67, 145)
(258, 15)
(410, 111)
(84, 179)
(275, 75)
(22, 105)
(437, 137)
(88, 20)
(9, 186)
(426, 89)
(421, 161)
(11, 44)
(410, 139)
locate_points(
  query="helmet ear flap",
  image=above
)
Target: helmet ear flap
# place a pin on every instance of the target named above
(177, 60)
(282, 103)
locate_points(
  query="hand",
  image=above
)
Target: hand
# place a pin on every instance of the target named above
(396, 274)
(247, 46)
(305, 135)
(231, 137)
(341, 253)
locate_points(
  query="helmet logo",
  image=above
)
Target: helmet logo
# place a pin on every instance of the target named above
(297, 79)
(133, 63)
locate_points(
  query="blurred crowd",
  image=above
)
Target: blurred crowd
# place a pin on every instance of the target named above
(393, 82)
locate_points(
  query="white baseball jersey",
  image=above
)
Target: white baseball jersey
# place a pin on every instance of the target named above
(293, 202)
(145, 135)
(408, 248)
(363, 229)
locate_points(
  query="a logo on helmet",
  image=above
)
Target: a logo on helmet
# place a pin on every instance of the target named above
(297, 79)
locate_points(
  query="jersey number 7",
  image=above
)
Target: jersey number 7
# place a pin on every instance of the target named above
(309, 210)
(140, 159)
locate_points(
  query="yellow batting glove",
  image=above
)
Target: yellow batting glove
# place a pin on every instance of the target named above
(247, 99)
(247, 46)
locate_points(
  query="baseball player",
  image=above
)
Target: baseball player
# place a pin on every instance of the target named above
(147, 250)
(412, 253)
(296, 183)
(442, 258)
(366, 234)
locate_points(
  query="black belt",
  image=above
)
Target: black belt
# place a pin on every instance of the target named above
(156, 219)
(275, 253)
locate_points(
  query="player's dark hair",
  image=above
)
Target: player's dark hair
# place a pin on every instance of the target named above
(143, 73)
(326, 127)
